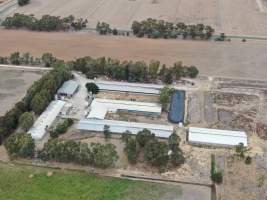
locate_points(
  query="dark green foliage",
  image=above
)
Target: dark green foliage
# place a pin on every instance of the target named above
(15, 58)
(106, 132)
(23, 2)
(248, 160)
(216, 176)
(131, 71)
(26, 121)
(20, 145)
(92, 87)
(156, 153)
(143, 137)
(241, 150)
(165, 96)
(38, 104)
(103, 28)
(153, 28)
(98, 155)
(48, 59)
(61, 128)
(46, 23)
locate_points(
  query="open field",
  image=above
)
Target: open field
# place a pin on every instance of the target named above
(229, 59)
(18, 182)
(13, 85)
(225, 15)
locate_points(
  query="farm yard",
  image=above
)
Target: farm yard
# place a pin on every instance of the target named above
(224, 15)
(234, 59)
(13, 85)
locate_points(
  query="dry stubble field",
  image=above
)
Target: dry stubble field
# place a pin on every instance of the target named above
(232, 17)
(228, 59)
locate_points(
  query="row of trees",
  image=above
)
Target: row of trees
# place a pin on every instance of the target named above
(133, 71)
(98, 155)
(104, 28)
(153, 28)
(46, 23)
(16, 58)
(36, 99)
(146, 147)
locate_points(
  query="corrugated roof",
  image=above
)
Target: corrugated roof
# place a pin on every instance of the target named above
(163, 131)
(129, 87)
(176, 113)
(216, 136)
(69, 87)
(46, 119)
(100, 107)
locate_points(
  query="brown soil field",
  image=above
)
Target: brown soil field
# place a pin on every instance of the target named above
(13, 85)
(228, 59)
(241, 17)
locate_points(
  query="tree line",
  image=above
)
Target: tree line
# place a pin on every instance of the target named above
(132, 71)
(95, 154)
(153, 28)
(145, 147)
(37, 98)
(46, 23)
(16, 58)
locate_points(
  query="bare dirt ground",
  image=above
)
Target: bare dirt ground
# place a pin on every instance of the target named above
(225, 15)
(233, 59)
(13, 85)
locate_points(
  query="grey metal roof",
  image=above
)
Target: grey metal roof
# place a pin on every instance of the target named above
(69, 87)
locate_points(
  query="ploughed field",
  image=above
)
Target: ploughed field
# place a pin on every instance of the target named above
(245, 17)
(229, 59)
(13, 86)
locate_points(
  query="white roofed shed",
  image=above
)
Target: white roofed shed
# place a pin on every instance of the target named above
(46, 119)
(162, 131)
(216, 137)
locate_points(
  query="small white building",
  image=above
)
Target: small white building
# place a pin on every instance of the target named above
(162, 131)
(216, 137)
(68, 89)
(100, 107)
(129, 87)
(46, 119)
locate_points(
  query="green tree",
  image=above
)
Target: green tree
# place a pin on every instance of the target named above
(192, 72)
(92, 87)
(165, 95)
(15, 58)
(156, 153)
(106, 132)
(38, 104)
(143, 137)
(23, 2)
(48, 59)
(131, 150)
(20, 145)
(241, 150)
(168, 77)
(26, 121)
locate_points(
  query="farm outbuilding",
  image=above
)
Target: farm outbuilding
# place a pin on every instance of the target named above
(216, 137)
(100, 107)
(46, 119)
(176, 113)
(129, 87)
(162, 131)
(68, 89)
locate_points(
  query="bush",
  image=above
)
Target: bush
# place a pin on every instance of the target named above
(20, 145)
(23, 2)
(248, 160)
(216, 177)
(26, 121)
(92, 87)
(61, 128)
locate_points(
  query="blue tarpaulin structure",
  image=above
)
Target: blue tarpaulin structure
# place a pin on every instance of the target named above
(176, 112)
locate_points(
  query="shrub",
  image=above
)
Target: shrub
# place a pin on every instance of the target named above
(23, 2)
(92, 87)
(20, 145)
(26, 121)
(248, 160)
(61, 128)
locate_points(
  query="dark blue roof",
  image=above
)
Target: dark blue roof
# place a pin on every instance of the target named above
(176, 113)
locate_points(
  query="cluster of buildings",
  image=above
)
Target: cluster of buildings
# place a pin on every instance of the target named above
(95, 118)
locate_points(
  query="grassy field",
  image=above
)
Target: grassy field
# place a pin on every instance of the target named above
(16, 184)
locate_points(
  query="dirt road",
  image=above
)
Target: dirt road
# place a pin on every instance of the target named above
(228, 59)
